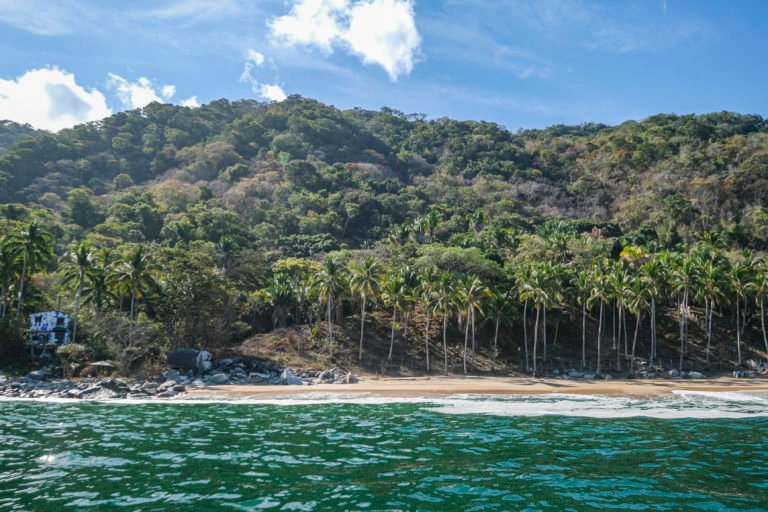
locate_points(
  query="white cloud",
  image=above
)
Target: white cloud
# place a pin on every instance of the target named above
(272, 92)
(384, 32)
(51, 99)
(255, 57)
(133, 95)
(311, 23)
(381, 32)
(191, 102)
(168, 91)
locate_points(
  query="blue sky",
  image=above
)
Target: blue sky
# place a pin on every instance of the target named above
(519, 63)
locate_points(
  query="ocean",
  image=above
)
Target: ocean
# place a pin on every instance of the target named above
(688, 451)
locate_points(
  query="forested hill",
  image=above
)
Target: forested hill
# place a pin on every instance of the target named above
(11, 132)
(299, 177)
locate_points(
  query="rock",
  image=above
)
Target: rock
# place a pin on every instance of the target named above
(589, 376)
(695, 375)
(289, 379)
(351, 379)
(179, 388)
(258, 378)
(650, 375)
(172, 375)
(219, 378)
(165, 386)
(198, 383)
(225, 363)
(674, 373)
(183, 358)
(203, 361)
(575, 375)
(37, 374)
(168, 393)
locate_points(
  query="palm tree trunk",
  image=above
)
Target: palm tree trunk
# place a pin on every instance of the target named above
(599, 335)
(762, 324)
(392, 335)
(20, 298)
(474, 354)
(617, 345)
(329, 307)
(496, 344)
(583, 335)
(426, 341)
(77, 309)
(653, 329)
(544, 332)
(362, 327)
(708, 307)
(613, 323)
(525, 333)
(445, 343)
(466, 342)
(738, 332)
(3, 302)
(535, 337)
(634, 344)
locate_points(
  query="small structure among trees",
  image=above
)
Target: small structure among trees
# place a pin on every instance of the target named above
(48, 330)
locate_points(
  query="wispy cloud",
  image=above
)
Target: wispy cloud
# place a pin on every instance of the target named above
(269, 91)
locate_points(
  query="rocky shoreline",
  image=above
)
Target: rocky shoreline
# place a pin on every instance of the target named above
(238, 370)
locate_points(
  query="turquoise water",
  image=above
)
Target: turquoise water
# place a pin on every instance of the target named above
(457, 454)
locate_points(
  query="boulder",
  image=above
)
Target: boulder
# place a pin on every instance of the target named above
(674, 373)
(695, 375)
(351, 378)
(203, 361)
(183, 358)
(289, 379)
(179, 388)
(575, 375)
(37, 374)
(198, 383)
(165, 386)
(219, 378)
(258, 377)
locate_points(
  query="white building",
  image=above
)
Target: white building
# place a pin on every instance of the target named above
(49, 328)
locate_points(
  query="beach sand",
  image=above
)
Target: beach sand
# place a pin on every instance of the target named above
(455, 385)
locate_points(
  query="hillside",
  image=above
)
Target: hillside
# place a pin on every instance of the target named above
(237, 204)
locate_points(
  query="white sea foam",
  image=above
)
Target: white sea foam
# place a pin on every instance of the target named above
(679, 404)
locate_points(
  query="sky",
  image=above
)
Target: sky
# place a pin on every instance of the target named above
(520, 63)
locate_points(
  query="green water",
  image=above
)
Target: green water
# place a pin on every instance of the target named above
(407, 456)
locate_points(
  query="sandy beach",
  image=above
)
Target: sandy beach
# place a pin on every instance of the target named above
(454, 385)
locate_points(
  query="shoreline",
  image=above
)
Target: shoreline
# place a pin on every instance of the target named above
(439, 387)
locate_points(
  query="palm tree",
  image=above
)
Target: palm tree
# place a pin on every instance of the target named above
(8, 271)
(364, 280)
(582, 285)
(537, 290)
(330, 282)
(135, 275)
(653, 276)
(443, 304)
(683, 278)
(522, 289)
(392, 293)
(34, 247)
(739, 278)
(75, 265)
(761, 290)
(472, 294)
(426, 293)
(637, 304)
(499, 311)
(620, 282)
(712, 290)
(600, 292)
(98, 290)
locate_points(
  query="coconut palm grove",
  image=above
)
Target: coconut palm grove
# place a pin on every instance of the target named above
(390, 242)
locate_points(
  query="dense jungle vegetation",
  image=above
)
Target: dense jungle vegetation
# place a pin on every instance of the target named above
(590, 246)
